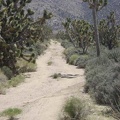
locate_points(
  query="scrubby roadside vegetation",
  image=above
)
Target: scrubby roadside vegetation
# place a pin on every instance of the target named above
(11, 113)
(102, 70)
(102, 74)
(75, 109)
(22, 40)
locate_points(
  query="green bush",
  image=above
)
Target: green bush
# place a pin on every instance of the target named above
(114, 54)
(73, 58)
(24, 66)
(82, 61)
(61, 35)
(2, 88)
(3, 78)
(56, 75)
(90, 74)
(50, 63)
(66, 44)
(8, 72)
(69, 52)
(74, 109)
(98, 61)
(104, 86)
(11, 113)
(29, 67)
(3, 82)
(40, 47)
(102, 75)
(116, 107)
(16, 80)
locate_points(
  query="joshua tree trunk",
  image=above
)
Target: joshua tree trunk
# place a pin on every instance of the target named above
(96, 31)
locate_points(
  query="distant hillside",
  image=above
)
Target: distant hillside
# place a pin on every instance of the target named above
(71, 8)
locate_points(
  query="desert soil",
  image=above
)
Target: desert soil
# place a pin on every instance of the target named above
(41, 97)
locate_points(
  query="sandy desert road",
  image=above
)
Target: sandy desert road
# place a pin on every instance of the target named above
(41, 97)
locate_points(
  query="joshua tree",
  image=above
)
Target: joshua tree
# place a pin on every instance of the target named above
(66, 25)
(80, 33)
(18, 32)
(96, 5)
(109, 32)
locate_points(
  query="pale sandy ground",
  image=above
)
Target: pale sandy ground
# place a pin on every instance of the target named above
(41, 97)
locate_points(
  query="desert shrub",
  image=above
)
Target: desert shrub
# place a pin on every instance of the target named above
(61, 35)
(3, 82)
(82, 61)
(2, 88)
(91, 74)
(98, 61)
(116, 108)
(40, 47)
(74, 109)
(16, 80)
(11, 113)
(66, 51)
(69, 52)
(24, 66)
(8, 72)
(73, 58)
(50, 63)
(56, 75)
(101, 87)
(66, 44)
(102, 74)
(3, 78)
(29, 67)
(114, 54)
